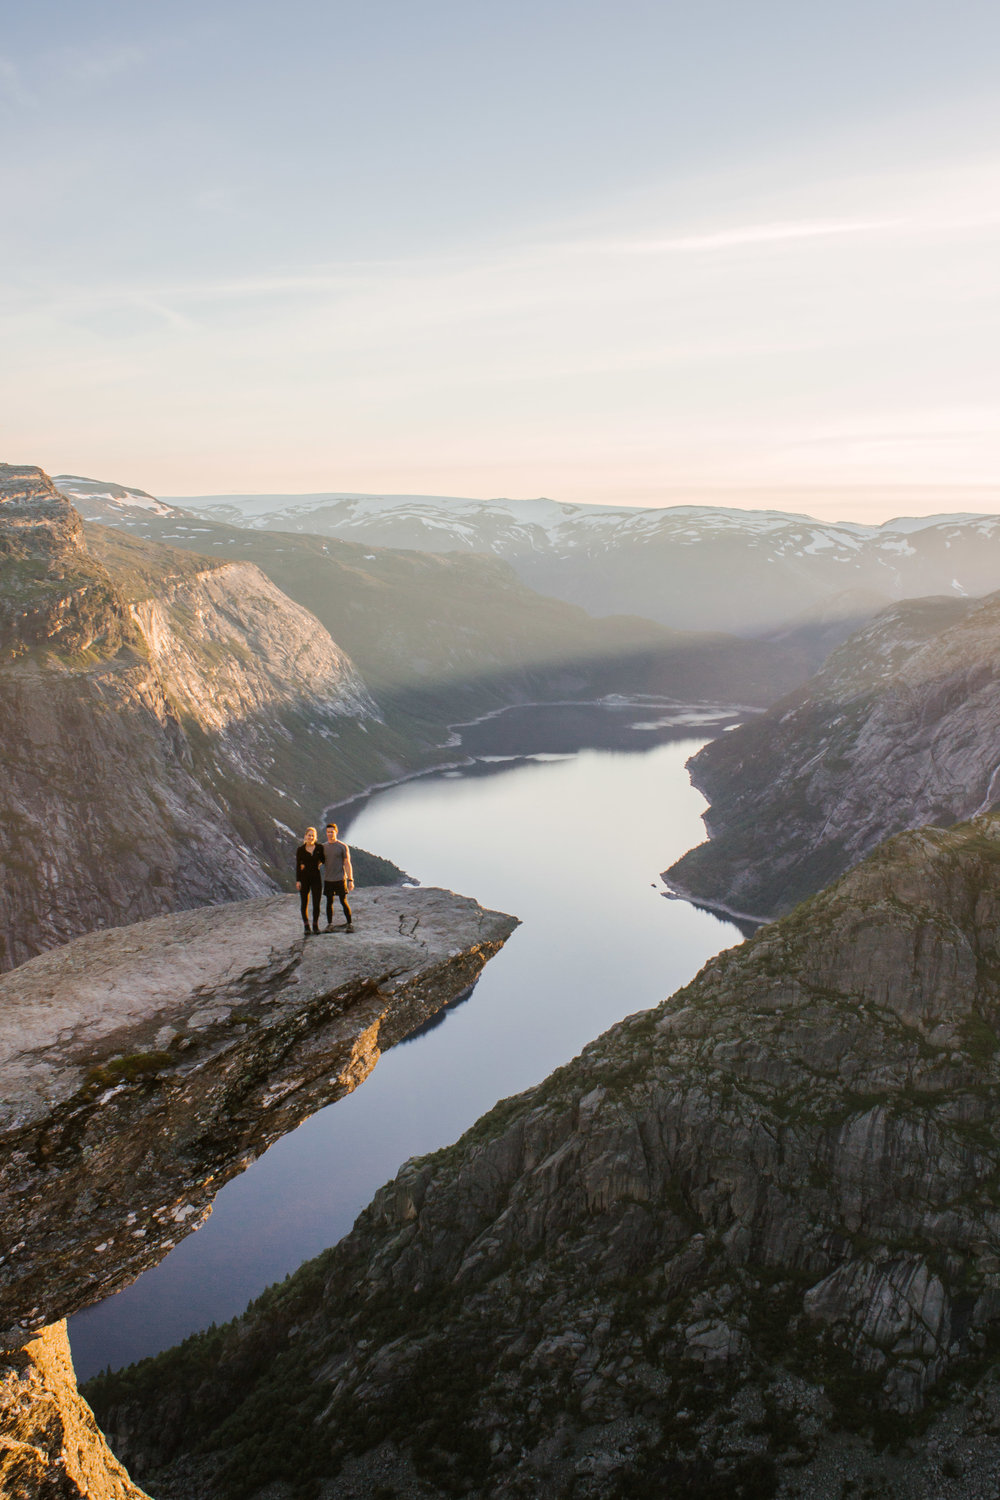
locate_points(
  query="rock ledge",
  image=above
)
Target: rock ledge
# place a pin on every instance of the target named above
(142, 1067)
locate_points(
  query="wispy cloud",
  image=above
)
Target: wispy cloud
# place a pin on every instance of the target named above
(753, 234)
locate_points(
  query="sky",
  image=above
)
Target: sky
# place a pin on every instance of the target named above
(608, 251)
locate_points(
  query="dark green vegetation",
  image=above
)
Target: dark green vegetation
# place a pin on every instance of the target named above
(898, 729)
(737, 1225)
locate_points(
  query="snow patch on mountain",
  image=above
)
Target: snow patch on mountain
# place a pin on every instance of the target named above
(75, 487)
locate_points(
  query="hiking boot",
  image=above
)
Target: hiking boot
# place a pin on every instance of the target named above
(328, 927)
(306, 930)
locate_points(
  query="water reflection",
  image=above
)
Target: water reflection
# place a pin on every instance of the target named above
(572, 844)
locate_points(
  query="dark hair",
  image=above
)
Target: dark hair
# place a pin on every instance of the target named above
(333, 826)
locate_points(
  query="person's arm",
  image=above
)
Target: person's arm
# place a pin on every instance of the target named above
(298, 870)
(348, 871)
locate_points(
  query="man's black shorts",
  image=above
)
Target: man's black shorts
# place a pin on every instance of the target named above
(335, 887)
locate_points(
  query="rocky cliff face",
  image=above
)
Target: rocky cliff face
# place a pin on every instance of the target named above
(900, 728)
(53, 592)
(140, 1069)
(50, 1446)
(741, 1242)
(168, 725)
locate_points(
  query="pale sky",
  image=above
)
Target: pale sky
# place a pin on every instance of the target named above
(602, 250)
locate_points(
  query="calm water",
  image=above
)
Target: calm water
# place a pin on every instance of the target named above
(571, 841)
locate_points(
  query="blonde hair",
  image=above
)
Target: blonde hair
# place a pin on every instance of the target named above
(311, 831)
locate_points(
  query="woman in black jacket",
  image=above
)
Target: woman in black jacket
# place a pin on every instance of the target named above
(309, 877)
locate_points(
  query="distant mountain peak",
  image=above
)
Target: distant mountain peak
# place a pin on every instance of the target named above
(76, 487)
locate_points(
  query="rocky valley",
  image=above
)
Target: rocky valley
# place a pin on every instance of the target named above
(748, 1243)
(144, 1066)
(172, 720)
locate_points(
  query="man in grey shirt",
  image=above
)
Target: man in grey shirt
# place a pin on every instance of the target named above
(338, 877)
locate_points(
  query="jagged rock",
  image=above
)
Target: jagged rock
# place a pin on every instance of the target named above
(142, 1067)
(780, 1183)
(897, 1317)
(899, 729)
(54, 593)
(50, 1446)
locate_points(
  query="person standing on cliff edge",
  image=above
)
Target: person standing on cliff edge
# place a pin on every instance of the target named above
(309, 877)
(338, 876)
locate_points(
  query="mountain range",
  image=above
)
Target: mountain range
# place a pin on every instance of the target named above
(690, 567)
(451, 634)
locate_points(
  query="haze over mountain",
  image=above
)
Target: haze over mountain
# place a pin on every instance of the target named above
(691, 567)
(455, 633)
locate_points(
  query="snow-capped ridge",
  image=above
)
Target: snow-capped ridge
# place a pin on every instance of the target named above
(75, 487)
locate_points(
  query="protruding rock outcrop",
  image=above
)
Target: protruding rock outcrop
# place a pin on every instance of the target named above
(762, 1212)
(142, 1067)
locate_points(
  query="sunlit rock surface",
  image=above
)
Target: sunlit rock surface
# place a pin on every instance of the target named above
(141, 1067)
(50, 1446)
(739, 1244)
(165, 723)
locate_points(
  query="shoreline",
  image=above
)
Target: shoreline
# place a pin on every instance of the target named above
(611, 700)
(675, 892)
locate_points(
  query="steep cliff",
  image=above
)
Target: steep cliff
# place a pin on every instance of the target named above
(900, 728)
(53, 593)
(168, 724)
(143, 1067)
(741, 1242)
